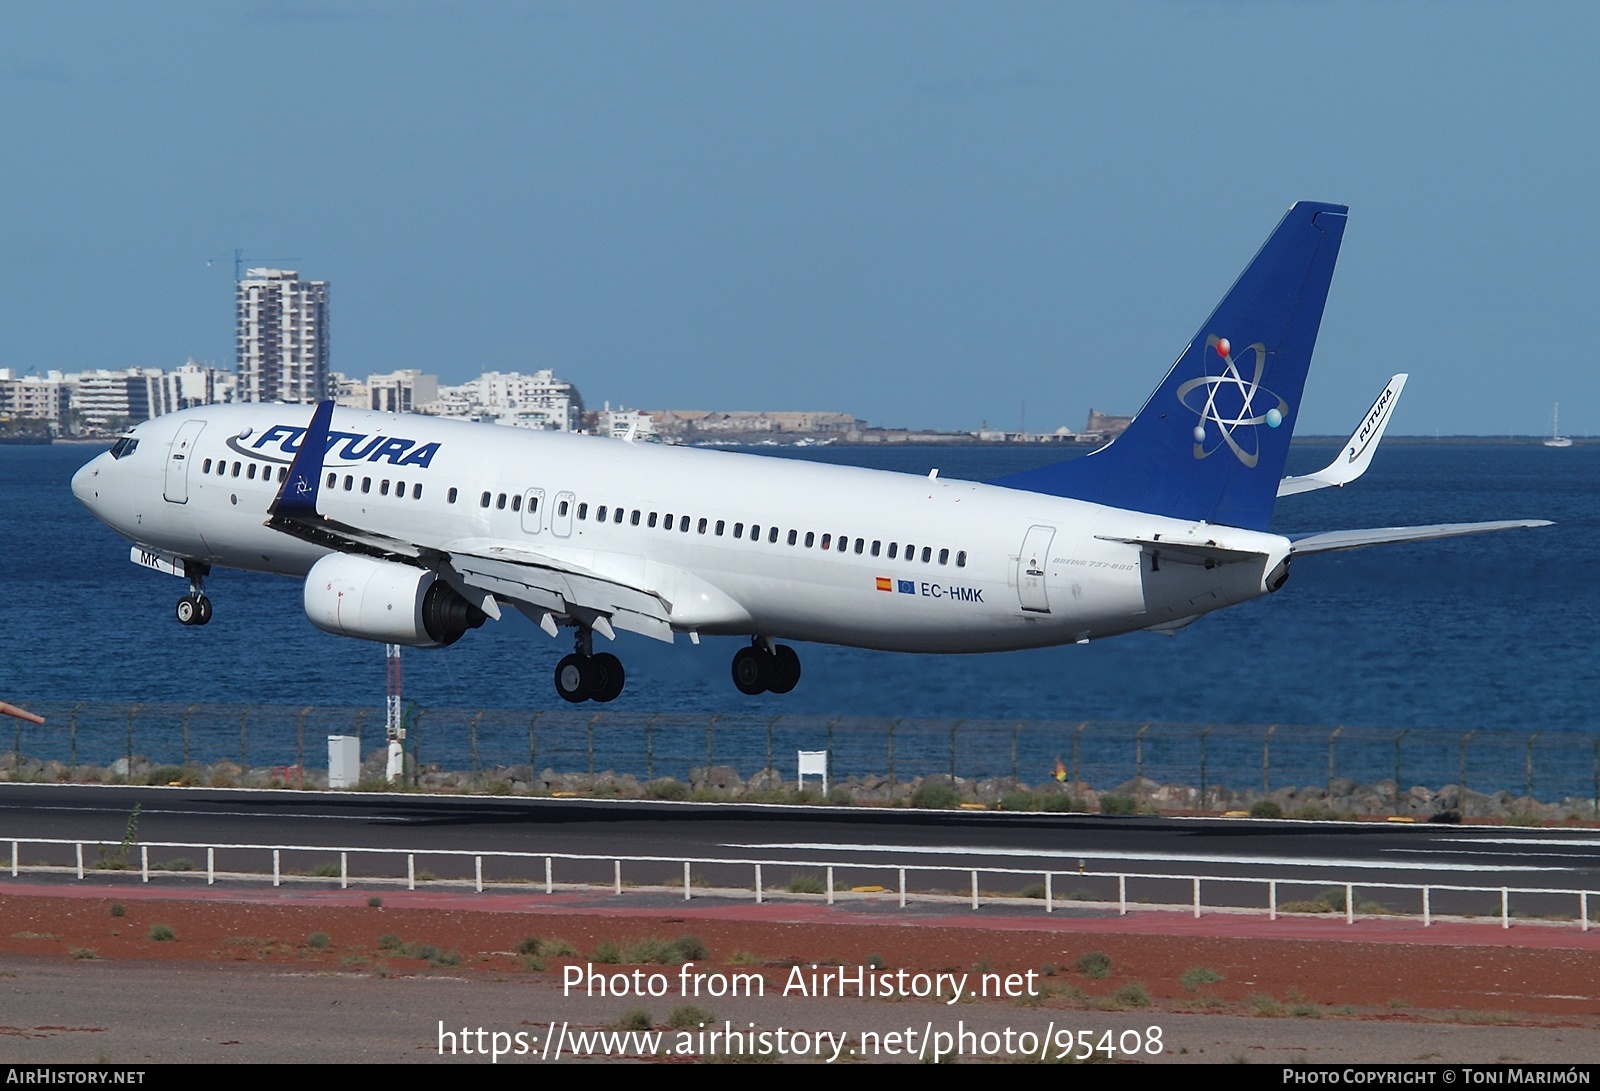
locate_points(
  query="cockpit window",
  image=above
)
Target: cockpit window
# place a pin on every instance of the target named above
(124, 447)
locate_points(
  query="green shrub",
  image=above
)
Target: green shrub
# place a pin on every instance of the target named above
(180, 863)
(1132, 995)
(1019, 800)
(606, 953)
(1113, 804)
(1196, 976)
(390, 942)
(875, 962)
(666, 788)
(328, 869)
(935, 795)
(374, 902)
(117, 909)
(1095, 964)
(318, 940)
(688, 1017)
(84, 952)
(1265, 808)
(841, 797)
(529, 945)
(162, 933)
(1061, 801)
(634, 1019)
(806, 883)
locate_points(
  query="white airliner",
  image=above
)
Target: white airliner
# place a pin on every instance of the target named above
(412, 530)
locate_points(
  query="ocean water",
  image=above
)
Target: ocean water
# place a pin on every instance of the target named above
(1493, 633)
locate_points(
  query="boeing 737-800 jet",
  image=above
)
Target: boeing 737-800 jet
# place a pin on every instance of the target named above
(413, 530)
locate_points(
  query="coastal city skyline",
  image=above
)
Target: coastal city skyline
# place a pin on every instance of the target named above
(928, 218)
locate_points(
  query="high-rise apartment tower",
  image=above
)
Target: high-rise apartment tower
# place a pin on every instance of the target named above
(282, 335)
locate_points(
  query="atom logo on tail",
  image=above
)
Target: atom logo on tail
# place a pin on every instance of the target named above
(1232, 404)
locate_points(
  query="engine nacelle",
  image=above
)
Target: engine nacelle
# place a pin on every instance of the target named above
(349, 595)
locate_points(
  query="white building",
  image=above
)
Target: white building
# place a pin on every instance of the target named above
(28, 397)
(540, 401)
(282, 337)
(401, 391)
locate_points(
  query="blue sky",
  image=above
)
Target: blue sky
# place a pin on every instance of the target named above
(925, 214)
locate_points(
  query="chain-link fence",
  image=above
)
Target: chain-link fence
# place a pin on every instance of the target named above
(1101, 754)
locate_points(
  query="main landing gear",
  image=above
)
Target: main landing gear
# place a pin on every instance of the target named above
(584, 676)
(765, 667)
(194, 608)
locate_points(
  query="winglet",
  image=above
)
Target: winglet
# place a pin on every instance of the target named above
(1353, 461)
(297, 497)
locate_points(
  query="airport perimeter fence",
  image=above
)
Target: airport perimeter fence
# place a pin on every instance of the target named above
(1548, 765)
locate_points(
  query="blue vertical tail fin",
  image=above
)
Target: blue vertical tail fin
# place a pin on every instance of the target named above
(1210, 443)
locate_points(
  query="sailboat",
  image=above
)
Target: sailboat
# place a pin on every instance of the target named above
(1556, 438)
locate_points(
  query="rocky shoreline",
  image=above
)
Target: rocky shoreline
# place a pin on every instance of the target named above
(1341, 799)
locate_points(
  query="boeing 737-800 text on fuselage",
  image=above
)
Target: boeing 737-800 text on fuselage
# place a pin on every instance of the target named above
(413, 530)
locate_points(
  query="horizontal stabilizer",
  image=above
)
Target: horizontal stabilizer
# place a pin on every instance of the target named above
(1355, 539)
(1353, 461)
(1209, 554)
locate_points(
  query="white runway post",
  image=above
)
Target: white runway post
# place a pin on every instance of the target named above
(1349, 903)
(1272, 899)
(1122, 895)
(1505, 908)
(79, 847)
(830, 885)
(277, 872)
(211, 865)
(1583, 908)
(13, 859)
(549, 886)
(1197, 897)
(1049, 898)
(1427, 908)
(144, 864)
(974, 888)
(411, 871)
(616, 876)
(758, 884)
(902, 888)
(686, 894)
(477, 873)
(344, 871)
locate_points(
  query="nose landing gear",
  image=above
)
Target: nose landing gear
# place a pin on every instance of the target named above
(765, 667)
(194, 608)
(584, 676)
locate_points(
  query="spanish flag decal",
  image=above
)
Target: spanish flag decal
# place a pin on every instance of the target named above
(885, 583)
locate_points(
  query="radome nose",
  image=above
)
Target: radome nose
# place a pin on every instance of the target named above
(83, 482)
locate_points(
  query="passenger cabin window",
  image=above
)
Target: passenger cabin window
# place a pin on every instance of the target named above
(333, 479)
(383, 487)
(927, 552)
(772, 535)
(876, 546)
(516, 502)
(652, 519)
(366, 484)
(826, 538)
(893, 549)
(738, 530)
(721, 526)
(668, 521)
(793, 536)
(283, 473)
(634, 518)
(236, 469)
(583, 511)
(416, 491)
(961, 559)
(500, 502)
(484, 502)
(944, 556)
(860, 543)
(205, 469)
(702, 526)
(349, 482)
(600, 514)
(811, 538)
(617, 517)
(450, 497)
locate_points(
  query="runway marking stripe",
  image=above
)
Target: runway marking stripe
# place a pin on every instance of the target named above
(1173, 857)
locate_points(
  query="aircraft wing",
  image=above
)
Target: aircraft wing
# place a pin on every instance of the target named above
(481, 570)
(1356, 456)
(1329, 541)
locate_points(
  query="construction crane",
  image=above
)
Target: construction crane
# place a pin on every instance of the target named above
(238, 262)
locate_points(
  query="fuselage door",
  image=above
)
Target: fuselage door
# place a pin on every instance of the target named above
(561, 517)
(1031, 567)
(179, 455)
(533, 511)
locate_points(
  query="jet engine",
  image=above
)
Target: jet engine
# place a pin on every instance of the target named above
(350, 595)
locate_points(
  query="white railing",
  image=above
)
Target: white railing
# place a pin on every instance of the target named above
(830, 892)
